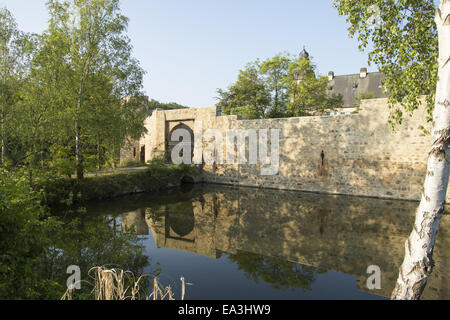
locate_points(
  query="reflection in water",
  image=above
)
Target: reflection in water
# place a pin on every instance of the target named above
(287, 239)
(322, 216)
(89, 241)
(280, 274)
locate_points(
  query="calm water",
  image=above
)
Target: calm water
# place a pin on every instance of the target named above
(245, 243)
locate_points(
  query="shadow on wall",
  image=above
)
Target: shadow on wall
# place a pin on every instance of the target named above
(356, 154)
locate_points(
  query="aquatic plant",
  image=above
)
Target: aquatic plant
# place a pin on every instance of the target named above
(117, 284)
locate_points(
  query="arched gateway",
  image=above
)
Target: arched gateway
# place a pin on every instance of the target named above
(174, 140)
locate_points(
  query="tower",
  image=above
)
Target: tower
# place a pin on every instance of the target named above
(304, 54)
(301, 75)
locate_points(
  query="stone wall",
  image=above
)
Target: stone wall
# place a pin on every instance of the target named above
(362, 155)
(131, 151)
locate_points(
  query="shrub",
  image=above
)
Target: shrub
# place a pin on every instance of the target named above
(24, 241)
(158, 176)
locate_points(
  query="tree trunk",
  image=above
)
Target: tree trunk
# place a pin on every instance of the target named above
(78, 154)
(418, 262)
(78, 145)
(2, 160)
(3, 109)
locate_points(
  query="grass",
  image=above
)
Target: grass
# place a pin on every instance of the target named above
(131, 164)
(117, 284)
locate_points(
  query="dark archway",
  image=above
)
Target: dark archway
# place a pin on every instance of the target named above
(142, 154)
(180, 221)
(171, 144)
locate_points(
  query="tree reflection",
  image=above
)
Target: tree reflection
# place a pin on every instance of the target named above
(279, 273)
(91, 242)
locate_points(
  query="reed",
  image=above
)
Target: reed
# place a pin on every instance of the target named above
(117, 284)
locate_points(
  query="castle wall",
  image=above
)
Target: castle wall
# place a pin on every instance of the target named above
(362, 155)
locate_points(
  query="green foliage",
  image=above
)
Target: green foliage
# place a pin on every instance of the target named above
(278, 87)
(249, 92)
(24, 241)
(308, 93)
(153, 104)
(246, 112)
(128, 163)
(274, 72)
(278, 273)
(63, 160)
(403, 39)
(35, 249)
(69, 192)
(72, 94)
(157, 163)
(15, 50)
(95, 241)
(69, 98)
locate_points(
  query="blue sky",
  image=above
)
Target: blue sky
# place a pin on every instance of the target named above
(191, 48)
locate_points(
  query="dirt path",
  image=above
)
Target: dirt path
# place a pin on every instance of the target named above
(99, 173)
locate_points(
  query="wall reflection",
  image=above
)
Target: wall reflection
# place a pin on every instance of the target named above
(319, 232)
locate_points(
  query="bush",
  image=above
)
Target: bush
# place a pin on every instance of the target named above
(158, 176)
(131, 164)
(34, 247)
(24, 241)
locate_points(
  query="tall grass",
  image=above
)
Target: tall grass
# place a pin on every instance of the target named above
(117, 284)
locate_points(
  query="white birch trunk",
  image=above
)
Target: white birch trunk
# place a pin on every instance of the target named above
(2, 159)
(418, 262)
(78, 154)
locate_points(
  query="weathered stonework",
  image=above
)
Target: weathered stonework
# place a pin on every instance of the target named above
(364, 156)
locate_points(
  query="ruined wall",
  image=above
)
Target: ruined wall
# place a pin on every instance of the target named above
(130, 152)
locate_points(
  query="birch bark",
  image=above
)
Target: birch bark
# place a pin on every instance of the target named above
(418, 262)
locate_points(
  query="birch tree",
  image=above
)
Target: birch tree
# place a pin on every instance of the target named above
(411, 40)
(90, 36)
(13, 62)
(418, 262)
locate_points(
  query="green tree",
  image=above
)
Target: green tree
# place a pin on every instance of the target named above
(275, 71)
(402, 38)
(411, 46)
(154, 104)
(24, 241)
(278, 87)
(250, 93)
(14, 66)
(89, 242)
(307, 92)
(280, 274)
(87, 45)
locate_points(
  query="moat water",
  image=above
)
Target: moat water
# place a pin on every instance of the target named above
(246, 243)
